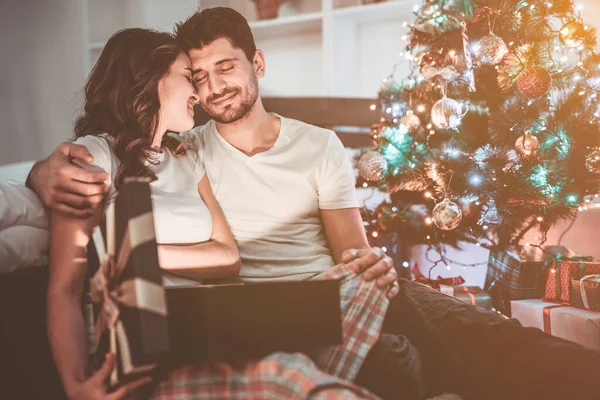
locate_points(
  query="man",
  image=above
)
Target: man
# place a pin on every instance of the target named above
(285, 187)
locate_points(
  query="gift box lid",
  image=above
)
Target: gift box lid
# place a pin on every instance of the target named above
(221, 322)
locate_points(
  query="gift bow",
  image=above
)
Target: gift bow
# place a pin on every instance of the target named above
(107, 290)
(582, 260)
(435, 283)
(584, 298)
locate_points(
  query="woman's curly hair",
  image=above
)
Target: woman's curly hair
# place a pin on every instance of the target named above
(121, 98)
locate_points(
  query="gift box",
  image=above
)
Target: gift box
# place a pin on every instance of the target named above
(126, 286)
(469, 294)
(518, 276)
(570, 323)
(564, 269)
(585, 292)
(228, 322)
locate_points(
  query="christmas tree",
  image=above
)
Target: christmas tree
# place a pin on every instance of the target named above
(495, 131)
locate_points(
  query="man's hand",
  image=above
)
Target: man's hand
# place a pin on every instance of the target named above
(65, 186)
(94, 388)
(373, 263)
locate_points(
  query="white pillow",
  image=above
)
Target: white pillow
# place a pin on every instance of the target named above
(23, 246)
(16, 172)
(24, 228)
(19, 205)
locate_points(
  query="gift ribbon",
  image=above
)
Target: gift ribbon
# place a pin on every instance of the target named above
(584, 298)
(135, 293)
(582, 260)
(466, 289)
(546, 312)
(435, 283)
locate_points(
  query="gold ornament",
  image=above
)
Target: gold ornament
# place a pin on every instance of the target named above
(572, 34)
(527, 145)
(490, 49)
(412, 122)
(446, 215)
(534, 82)
(372, 166)
(446, 113)
(592, 161)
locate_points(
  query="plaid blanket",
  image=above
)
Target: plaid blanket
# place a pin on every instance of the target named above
(328, 374)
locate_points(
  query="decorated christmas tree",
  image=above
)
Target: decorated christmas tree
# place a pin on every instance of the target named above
(495, 131)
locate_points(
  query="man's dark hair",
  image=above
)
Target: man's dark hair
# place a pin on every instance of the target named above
(210, 24)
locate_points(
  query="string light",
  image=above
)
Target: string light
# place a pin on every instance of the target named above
(428, 221)
(475, 179)
(375, 234)
(405, 264)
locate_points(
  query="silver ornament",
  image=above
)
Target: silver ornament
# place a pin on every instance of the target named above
(446, 215)
(592, 161)
(490, 49)
(372, 166)
(412, 122)
(446, 113)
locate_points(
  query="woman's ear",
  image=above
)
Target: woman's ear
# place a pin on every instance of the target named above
(259, 63)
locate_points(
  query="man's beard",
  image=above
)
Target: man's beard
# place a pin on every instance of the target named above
(236, 111)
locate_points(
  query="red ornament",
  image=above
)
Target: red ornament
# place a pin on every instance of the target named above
(534, 82)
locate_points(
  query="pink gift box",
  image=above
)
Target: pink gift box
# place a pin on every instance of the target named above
(574, 324)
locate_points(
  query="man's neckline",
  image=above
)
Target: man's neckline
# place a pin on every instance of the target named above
(278, 142)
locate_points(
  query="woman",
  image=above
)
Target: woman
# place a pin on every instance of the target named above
(141, 88)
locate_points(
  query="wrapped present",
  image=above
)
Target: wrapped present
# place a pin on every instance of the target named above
(565, 268)
(560, 320)
(469, 294)
(126, 288)
(452, 287)
(518, 276)
(585, 292)
(435, 283)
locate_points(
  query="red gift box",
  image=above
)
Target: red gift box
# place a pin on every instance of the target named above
(565, 269)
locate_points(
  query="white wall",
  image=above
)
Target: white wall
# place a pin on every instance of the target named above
(41, 74)
(42, 63)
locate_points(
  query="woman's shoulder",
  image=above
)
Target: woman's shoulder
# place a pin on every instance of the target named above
(100, 144)
(99, 147)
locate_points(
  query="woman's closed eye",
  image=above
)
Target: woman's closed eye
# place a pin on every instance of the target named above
(200, 79)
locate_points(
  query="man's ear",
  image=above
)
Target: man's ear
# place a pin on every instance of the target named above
(259, 63)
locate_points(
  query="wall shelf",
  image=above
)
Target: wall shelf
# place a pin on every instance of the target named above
(383, 11)
(334, 48)
(287, 26)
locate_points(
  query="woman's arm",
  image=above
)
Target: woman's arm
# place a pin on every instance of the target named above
(217, 258)
(68, 262)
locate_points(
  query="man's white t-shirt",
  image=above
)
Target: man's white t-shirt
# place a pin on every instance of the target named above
(272, 200)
